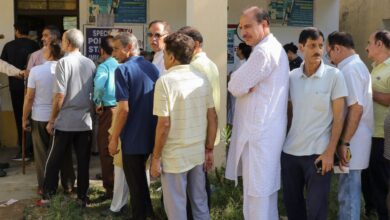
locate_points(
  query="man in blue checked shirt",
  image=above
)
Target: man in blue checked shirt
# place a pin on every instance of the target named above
(104, 98)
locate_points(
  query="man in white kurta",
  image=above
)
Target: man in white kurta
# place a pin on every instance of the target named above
(259, 127)
(358, 126)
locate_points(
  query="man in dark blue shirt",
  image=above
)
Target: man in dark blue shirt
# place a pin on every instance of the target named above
(135, 123)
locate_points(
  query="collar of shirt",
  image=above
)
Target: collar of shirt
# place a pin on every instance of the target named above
(73, 53)
(198, 55)
(179, 68)
(264, 40)
(386, 62)
(131, 58)
(318, 74)
(158, 55)
(347, 60)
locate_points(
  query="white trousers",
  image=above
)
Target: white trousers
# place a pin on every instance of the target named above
(257, 208)
(121, 190)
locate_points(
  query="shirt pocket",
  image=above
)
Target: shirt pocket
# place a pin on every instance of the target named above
(321, 101)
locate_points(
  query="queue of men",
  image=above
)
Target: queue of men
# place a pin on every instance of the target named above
(296, 124)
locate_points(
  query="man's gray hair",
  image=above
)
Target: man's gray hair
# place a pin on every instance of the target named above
(75, 37)
(126, 38)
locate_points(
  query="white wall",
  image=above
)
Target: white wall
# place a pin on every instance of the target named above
(171, 11)
(7, 29)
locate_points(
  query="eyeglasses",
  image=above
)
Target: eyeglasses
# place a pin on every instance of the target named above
(156, 35)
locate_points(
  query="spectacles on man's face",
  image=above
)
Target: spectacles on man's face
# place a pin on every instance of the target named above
(155, 35)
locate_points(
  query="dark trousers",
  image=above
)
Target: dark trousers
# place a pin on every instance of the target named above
(41, 141)
(106, 159)
(298, 174)
(17, 99)
(208, 191)
(134, 168)
(62, 141)
(375, 180)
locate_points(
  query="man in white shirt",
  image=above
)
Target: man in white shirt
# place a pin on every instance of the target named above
(158, 30)
(261, 89)
(316, 107)
(358, 126)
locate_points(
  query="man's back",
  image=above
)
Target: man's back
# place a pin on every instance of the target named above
(184, 95)
(134, 82)
(74, 74)
(16, 52)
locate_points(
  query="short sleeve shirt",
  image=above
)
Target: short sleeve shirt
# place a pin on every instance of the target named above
(41, 79)
(74, 79)
(134, 83)
(183, 95)
(358, 81)
(380, 77)
(311, 99)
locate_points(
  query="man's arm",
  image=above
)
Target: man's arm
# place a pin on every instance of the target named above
(327, 156)
(289, 114)
(9, 69)
(212, 127)
(58, 100)
(351, 124)
(254, 70)
(99, 82)
(381, 98)
(27, 106)
(122, 111)
(162, 131)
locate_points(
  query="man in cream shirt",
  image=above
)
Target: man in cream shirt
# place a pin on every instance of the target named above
(185, 133)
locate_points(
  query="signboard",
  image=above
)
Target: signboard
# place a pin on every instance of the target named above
(121, 11)
(93, 36)
(298, 13)
(131, 11)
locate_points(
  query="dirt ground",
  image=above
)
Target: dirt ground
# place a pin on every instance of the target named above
(23, 187)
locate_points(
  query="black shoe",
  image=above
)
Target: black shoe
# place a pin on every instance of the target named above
(83, 202)
(108, 212)
(4, 165)
(3, 173)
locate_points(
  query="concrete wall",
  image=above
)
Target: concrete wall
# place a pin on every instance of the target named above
(214, 33)
(361, 18)
(172, 11)
(7, 123)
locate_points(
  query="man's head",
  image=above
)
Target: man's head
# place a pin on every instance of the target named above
(50, 33)
(125, 45)
(21, 29)
(378, 46)
(158, 30)
(243, 51)
(53, 51)
(195, 35)
(178, 49)
(311, 45)
(106, 46)
(72, 40)
(291, 50)
(254, 25)
(339, 46)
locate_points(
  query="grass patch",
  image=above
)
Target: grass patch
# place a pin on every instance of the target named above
(226, 203)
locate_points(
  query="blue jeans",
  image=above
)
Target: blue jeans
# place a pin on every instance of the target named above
(349, 195)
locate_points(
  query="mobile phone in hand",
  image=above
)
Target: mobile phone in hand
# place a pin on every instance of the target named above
(318, 167)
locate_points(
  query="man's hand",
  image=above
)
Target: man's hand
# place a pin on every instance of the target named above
(113, 146)
(327, 161)
(99, 109)
(49, 128)
(26, 125)
(342, 154)
(155, 167)
(209, 160)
